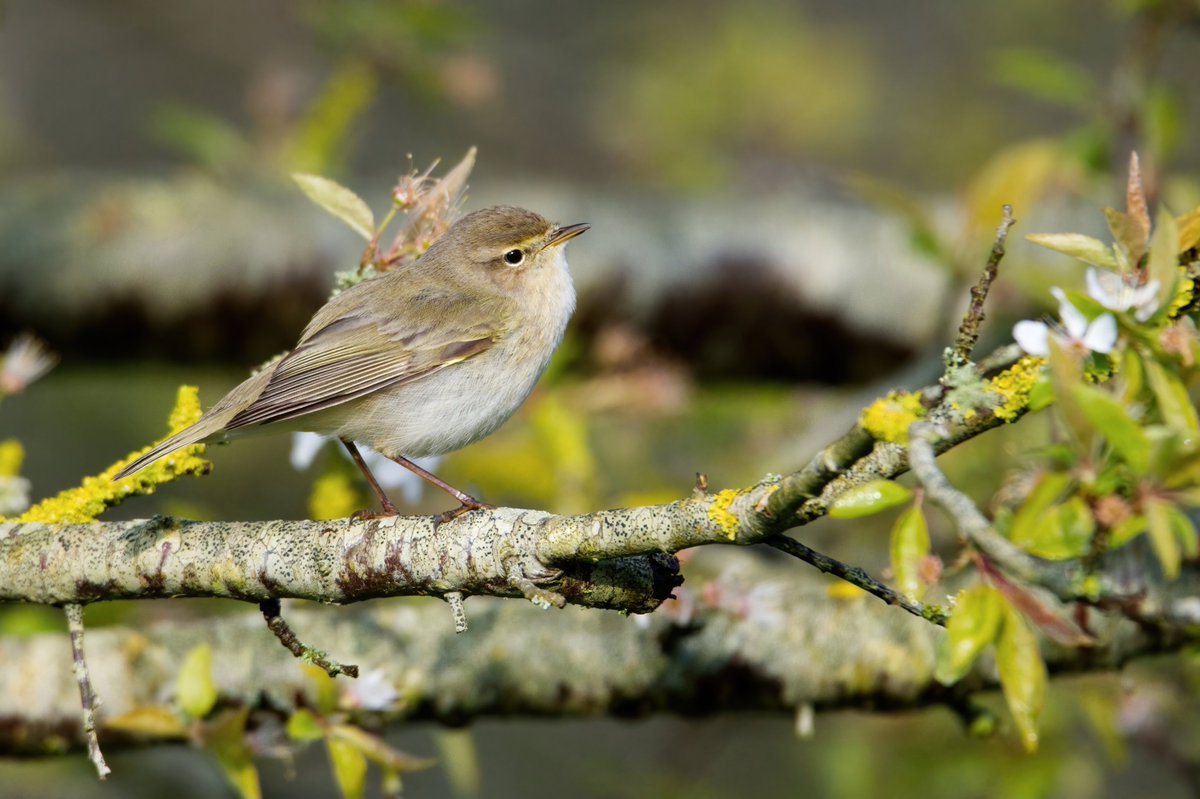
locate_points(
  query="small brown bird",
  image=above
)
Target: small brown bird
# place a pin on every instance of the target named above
(419, 361)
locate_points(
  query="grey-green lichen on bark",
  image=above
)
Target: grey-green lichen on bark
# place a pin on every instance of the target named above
(760, 637)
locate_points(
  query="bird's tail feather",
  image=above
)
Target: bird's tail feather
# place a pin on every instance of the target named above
(190, 435)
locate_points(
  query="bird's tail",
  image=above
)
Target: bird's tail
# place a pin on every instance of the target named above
(189, 435)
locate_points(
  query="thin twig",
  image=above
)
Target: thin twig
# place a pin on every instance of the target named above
(86, 695)
(856, 576)
(271, 612)
(968, 331)
(1068, 580)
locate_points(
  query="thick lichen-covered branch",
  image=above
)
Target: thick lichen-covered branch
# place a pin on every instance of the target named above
(609, 558)
(745, 644)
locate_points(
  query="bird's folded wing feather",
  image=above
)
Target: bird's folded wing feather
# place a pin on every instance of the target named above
(344, 357)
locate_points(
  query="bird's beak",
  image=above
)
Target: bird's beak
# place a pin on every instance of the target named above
(565, 233)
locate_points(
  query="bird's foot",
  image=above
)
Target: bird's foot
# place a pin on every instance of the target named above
(389, 510)
(468, 504)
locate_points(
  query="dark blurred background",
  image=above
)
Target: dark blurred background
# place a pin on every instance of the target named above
(788, 202)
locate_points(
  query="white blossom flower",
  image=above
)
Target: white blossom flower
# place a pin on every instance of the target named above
(390, 474)
(27, 359)
(371, 691)
(1118, 292)
(1075, 333)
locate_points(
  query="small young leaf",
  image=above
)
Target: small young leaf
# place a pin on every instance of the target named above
(973, 625)
(195, 690)
(1113, 421)
(1077, 245)
(1129, 235)
(1125, 531)
(1024, 530)
(1173, 401)
(910, 544)
(227, 741)
(302, 725)
(149, 721)
(339, 201)
(349, 767)
(1162, 536)
(1066, 370)
(327, 689)
(1163, 264)
(1189, 229)
(1185, 531)
(869, 498)
(378, 750)
(1022, 675)
(1135, 197)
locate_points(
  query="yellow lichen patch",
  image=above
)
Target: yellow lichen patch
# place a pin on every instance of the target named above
(12, 455)
(96, 494)
(1014, 384)
(888, 419)
(719, 512)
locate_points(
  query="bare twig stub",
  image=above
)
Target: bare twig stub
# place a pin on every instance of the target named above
(968, 331)
(86, 695)
(272, 612)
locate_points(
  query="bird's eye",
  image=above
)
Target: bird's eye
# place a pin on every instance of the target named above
(514, 257)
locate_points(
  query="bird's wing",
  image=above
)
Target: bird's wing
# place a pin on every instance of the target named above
(347, 353)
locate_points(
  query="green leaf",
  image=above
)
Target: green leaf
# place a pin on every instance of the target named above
(1077, 245)
(973, 625)
(327, 689)
(1162, 535)
(1189, 230)
(349, 767)
(1026, 524)
(1185, 531)
(1042, 394)
(1163, 264)
(1022, 675)
(1075, 525)
(377, 750)
(195, 690)
(149, 721)
(227, 741)
(1132, 375)
(339, 201)
(1113, 421)
(869, 498)
(1067, 372)
(304, 726)
(1173, 401)
(1125, 531)
(910, 545)
(1130, 234)
(460, 761)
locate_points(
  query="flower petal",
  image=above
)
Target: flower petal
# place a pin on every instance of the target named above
(305, 447)
(1108, 289)
(1032, 337)
(1101, 335)
(1074, 322)
(1145, 301)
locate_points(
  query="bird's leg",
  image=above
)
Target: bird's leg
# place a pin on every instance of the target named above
(388, 508)
(469, 503)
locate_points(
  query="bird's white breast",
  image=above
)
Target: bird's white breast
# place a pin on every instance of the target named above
(461, 403)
